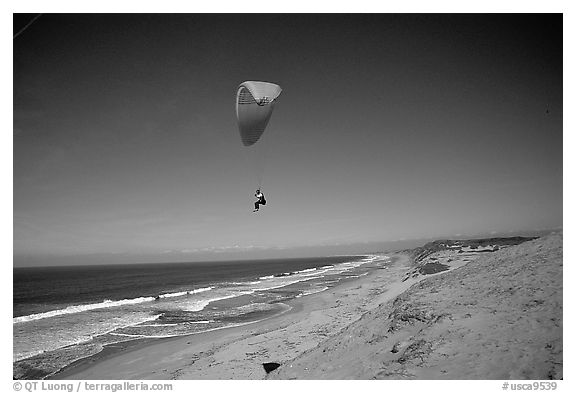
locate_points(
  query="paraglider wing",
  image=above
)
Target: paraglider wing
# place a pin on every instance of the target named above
(254, 106)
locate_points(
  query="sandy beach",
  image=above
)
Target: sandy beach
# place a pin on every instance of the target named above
(495, 313)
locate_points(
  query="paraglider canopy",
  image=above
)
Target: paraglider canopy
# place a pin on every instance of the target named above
(254, 106)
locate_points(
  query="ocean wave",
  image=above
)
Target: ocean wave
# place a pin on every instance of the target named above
(306, 270)
(82, 339)
(185, 293)
(267, 282)
(103, 304)
(318, 270)
(80, 308)
(286, 283)
(200, 305)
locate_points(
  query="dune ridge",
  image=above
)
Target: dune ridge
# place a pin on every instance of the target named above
(497, 317)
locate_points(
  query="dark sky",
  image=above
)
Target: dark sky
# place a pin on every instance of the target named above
(388, 127)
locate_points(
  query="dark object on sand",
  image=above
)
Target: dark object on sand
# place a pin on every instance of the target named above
(268, 367)
(432, 268)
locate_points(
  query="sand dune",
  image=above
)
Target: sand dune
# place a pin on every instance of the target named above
(498, 317)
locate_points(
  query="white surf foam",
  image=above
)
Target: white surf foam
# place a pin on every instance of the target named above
(185, 293)
(81, 308)
(306, 270)
(57, 342)
(200, 305)
(104, 304)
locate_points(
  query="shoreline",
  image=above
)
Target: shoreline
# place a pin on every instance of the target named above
(247, 300)
(110, 350)
(447, 310)
(107, 364)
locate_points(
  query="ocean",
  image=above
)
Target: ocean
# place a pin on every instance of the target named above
(62, 314)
